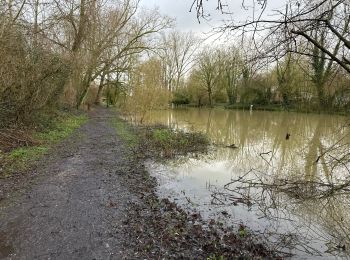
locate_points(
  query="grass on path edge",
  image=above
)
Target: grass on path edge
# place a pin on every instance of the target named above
(22, 158)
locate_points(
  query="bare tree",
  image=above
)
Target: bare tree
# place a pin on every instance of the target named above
(177, 53)
(296, 23)
(126, 35)
(98, 34)
(208, 72)
(231, 69)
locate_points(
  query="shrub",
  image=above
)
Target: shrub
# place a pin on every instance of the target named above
(180, 99)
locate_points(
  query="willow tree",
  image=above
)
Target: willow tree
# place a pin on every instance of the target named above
(95, 34)
(284, 78)
(146, 90)
(123, 33)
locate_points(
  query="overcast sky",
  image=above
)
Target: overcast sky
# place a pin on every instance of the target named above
(186, 21)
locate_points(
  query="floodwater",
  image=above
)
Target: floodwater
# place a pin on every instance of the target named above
(286, 178)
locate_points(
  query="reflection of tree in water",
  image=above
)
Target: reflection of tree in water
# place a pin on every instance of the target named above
(265, 133)
(334, 218)
(261, 138)
(295, 216)
(305, 178)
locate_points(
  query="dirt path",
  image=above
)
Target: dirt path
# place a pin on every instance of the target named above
(74, 206)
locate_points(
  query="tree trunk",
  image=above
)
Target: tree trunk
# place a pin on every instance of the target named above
(231, 93)
(100, 88)
(199, 102)
(321, 96)
(85, 86)
(209, 96)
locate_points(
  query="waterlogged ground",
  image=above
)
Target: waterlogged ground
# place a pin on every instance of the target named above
(90, 197)
(285, 176)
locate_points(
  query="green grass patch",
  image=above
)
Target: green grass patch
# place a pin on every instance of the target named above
(23, 158)
(61, 129)
(168, 143)
(125, 132)
(27, 153)
(159, 141)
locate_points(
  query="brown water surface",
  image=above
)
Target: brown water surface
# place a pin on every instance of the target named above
(286, 177)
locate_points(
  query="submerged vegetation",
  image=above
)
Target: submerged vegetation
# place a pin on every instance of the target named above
(169, 143)
(159, 141)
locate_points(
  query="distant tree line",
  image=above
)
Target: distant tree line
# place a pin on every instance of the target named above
(306, 45)
(228, 75)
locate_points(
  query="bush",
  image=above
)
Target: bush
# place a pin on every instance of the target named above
(180, 99)
(32, 77)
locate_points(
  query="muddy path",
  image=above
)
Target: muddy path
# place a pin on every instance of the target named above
(72, 206)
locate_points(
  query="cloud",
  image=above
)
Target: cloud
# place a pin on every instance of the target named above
(187, 21)
(180, 10)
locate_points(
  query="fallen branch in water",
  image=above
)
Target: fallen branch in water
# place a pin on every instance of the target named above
(300, 189)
